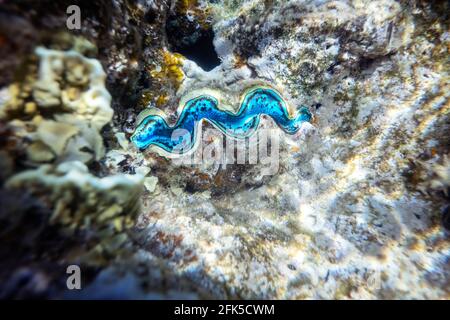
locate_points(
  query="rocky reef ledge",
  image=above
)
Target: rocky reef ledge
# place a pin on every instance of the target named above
(357, 208)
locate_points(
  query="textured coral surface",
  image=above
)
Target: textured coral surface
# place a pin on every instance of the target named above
(357, 208)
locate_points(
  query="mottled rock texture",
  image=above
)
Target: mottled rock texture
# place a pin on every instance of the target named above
(357, 209)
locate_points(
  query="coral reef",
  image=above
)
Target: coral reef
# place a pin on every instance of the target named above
(357, 206)
(104, 199)
(60, 108)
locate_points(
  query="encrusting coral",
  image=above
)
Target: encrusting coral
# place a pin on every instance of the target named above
(57, 115)
(102, 208)
(167, 75)
(358, 208)
(60, 108)
(154, 130)
(442, 179)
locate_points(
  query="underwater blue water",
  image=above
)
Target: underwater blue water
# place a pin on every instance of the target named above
(154, 130)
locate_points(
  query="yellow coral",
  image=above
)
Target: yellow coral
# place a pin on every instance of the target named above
(62, 103)
(184, 5)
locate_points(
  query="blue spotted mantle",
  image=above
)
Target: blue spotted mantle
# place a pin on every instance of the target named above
(154, 130)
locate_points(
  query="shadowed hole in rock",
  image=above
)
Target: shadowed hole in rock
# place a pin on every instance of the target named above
(198, 48)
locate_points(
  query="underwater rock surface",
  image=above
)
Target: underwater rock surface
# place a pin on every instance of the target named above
(154, 130)
(357, 207)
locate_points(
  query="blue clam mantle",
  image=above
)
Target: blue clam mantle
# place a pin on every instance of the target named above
(154, 130)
